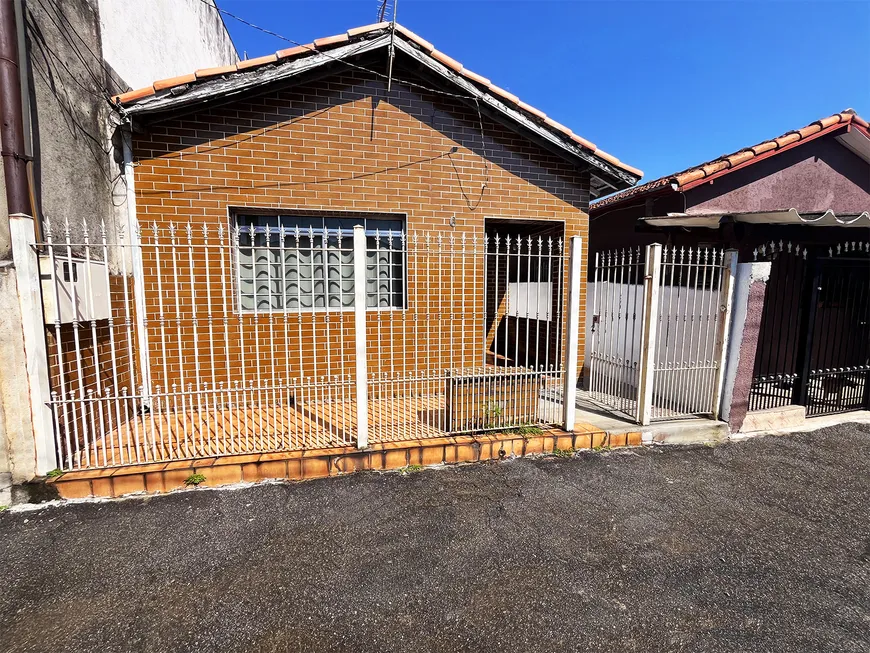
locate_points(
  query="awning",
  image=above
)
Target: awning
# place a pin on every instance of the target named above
(790, 216)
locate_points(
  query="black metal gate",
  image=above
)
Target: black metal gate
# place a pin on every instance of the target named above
(814, 340)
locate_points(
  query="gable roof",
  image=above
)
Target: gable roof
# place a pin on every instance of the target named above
(211, 83)
(690, 177)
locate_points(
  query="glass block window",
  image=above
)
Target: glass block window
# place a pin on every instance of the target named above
(297, 263)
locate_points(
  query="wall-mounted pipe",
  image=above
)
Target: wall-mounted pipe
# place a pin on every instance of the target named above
(11, 121)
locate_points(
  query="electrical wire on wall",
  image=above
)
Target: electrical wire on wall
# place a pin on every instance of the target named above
(471, 203)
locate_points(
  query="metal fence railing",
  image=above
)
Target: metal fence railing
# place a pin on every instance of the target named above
(273, 332)
(657, 330)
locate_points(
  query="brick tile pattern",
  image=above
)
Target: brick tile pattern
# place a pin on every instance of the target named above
(297, 465)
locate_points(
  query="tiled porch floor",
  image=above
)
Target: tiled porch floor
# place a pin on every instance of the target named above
(261, 428)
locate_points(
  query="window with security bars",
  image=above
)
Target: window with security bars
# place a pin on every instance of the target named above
(294, 263)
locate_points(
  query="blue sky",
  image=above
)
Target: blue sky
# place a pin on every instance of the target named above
(661, 85)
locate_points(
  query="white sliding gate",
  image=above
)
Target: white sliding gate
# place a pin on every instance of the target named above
(657, 330)
(193, 340)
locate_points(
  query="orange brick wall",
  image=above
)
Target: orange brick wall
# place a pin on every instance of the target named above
(339, 144)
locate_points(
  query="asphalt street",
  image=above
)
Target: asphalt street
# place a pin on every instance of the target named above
(759, 545)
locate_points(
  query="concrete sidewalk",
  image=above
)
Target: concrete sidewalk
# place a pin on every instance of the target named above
(759, 545)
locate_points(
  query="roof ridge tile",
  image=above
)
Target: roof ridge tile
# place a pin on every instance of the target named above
(728, 162)
(328, 42)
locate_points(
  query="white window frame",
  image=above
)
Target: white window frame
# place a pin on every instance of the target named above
(324, 232)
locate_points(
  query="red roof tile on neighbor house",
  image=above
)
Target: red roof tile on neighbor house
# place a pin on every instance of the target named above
(729, 162)
(359, 33)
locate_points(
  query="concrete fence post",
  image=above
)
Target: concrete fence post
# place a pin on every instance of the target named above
(750, 286)
(726, 297)
(359, 323)
(572, 328)
(138, 270)
(24, 255)
(649, 329)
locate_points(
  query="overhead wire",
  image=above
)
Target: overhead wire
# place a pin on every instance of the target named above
(311, 48)
(472, 205)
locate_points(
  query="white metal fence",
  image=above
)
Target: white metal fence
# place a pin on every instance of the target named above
(273, 333)
(658, 325)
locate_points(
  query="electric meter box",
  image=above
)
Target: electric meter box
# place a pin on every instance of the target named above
(82, 291)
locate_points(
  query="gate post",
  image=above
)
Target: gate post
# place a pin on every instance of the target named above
(649, 328)
(27, 277)
(572, 327)
(726, 298)
(359, 328)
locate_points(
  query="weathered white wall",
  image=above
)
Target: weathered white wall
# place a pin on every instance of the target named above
(147, 40)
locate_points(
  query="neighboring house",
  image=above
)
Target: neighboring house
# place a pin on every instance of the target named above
(800, 202)
(66, 59)
(266, 194)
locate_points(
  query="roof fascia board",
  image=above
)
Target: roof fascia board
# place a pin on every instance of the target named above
(576, 152)
(856, 140)
(763, 156)
(240, 83)
(652, 193)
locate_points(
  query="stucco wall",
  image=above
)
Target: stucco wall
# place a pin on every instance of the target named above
(74, 171)
(817, 176)
(146, 40)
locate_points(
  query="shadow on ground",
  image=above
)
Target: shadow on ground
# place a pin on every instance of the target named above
(761, 545)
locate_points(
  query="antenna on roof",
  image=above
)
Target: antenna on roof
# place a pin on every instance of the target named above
(392, 47)
(382, 11)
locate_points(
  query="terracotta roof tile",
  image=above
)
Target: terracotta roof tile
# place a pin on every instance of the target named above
(131, 96)
(259, 61)
(450, 62)
(635, 171)
(690, 176)
(361, 33)
(214, 72)
(741, 157)
(766, 146)
(295, 51)
(331, 40)
(724, 164)
(609, 158)
(161, 84)
(474, 77)
(356, 31)
(528, 107)
(556, 125)
(830, 120)
(419, 40)
(507, 95)
(587, 144)
(788, 139)
(714, 167)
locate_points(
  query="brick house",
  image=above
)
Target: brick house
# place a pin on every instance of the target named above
(249, 181)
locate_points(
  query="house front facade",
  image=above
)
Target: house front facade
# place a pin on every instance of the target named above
(274, 198)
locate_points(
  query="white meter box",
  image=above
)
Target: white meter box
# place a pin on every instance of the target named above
(82, 292)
